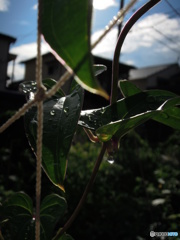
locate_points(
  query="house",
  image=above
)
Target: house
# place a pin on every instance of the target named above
(9, 100)
(165, 77)
(5, 57)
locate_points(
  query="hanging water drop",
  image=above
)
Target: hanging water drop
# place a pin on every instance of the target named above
(110, 159)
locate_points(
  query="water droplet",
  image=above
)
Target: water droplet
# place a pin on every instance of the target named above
(111, 161)
(52, 112)
(66, 111)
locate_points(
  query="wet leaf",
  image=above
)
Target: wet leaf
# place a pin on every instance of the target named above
(125, 114)
(60, 120)
(169, 117)
(170, 113)
(121, 127)
(66, 28)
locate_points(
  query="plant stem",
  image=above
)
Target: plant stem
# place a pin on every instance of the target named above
(84, 196)
(121, 38)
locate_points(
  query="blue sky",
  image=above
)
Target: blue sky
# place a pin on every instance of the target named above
(155, 38)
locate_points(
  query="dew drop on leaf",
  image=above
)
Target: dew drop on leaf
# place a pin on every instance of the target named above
(52, 112)
(66, 111)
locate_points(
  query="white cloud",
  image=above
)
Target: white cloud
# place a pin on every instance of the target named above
(144, 41)
(18, 71)
(24, 52)
(35, 7)
(103, 4)
(151, 31)
(4, 5)
(106, 47)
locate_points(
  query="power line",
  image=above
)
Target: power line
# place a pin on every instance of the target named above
(167, 45)
(162, 34)
(171, 6)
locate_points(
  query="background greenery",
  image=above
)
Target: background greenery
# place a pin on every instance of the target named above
(140, 192)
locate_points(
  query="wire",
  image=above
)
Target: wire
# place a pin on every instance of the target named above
(171, 6)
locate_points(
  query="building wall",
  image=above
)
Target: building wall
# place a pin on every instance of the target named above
(4, 50)
(5, 41)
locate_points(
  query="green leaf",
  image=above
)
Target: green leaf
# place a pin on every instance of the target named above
(121, 127)
(99, 68)
(66, 237)
(66, 27)
(30, 87)
(169, 115)
(125, 114)
(128, 88)
(60, 121)
(18, 209)
(53, 208)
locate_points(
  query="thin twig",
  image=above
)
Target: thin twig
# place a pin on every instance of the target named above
(84, 196)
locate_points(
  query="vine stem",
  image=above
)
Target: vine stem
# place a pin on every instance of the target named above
(121, 38)
(84, 196)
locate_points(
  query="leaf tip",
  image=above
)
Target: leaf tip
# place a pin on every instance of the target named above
(61, 187)
(103, 93)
